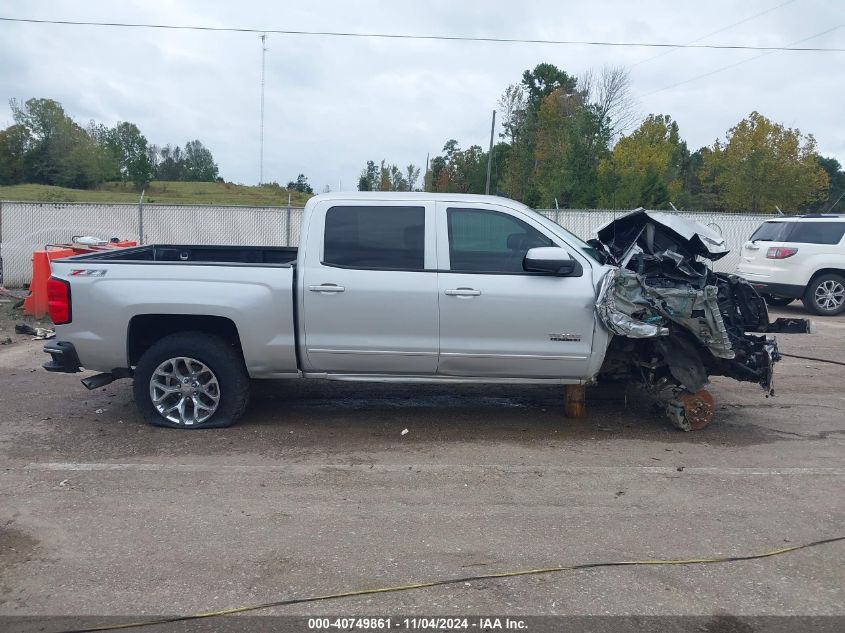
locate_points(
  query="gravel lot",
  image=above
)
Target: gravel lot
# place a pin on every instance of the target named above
(318, 490)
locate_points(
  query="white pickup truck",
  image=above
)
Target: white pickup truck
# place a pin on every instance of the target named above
(412, 287)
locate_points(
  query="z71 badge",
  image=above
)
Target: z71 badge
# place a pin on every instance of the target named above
(88, 272)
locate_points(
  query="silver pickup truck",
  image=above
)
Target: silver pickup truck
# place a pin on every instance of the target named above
(413, 287)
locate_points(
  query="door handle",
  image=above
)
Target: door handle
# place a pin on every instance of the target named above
(326, 288)
(463, 292)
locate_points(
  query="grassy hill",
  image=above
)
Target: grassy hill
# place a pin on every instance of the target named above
(221, 193)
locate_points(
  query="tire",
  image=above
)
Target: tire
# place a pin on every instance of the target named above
(773, 300)
(216, 395)
(825, 295)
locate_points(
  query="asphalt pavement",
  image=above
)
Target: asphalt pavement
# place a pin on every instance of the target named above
(318, 490)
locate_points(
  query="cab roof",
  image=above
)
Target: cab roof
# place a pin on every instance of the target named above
(422, 196)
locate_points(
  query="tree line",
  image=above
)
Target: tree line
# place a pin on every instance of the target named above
(388, 177)
(46, 146)
(577, 142)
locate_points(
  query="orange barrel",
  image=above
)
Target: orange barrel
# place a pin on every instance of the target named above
(35, 303)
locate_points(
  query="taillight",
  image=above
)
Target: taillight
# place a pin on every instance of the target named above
(58, 300)
(780, 252)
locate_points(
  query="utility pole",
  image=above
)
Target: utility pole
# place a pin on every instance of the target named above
(490, 154)
(261, 132)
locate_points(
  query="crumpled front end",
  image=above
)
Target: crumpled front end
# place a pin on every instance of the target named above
(650, 310)
(675, 321)
(697, 330)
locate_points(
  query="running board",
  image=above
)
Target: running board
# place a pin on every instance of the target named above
(435, 379)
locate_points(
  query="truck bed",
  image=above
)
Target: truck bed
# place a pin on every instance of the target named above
(206, 254)
(150, 288)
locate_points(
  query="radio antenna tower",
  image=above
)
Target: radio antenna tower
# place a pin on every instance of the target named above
(261, 133)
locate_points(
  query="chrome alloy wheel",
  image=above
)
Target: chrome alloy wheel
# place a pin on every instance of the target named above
(830, 294)
(184, 391)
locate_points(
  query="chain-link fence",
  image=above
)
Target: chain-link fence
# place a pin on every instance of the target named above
(257, 226)
(27, 226)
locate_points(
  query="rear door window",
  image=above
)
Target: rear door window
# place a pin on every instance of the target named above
(817, 232)
(379, 238)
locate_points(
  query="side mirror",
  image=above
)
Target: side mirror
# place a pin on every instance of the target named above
(551, 260)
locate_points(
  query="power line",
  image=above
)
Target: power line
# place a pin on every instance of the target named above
(717, 31)
(406, 36)
(743, 61)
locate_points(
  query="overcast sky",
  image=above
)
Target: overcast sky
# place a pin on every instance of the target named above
(334, 103)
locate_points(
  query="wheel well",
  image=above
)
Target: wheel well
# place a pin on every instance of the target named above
(825, 271)
(146, 329)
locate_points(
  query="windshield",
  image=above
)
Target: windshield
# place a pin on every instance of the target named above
(554, 227)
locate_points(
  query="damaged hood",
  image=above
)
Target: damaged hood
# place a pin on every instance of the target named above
(653, 232)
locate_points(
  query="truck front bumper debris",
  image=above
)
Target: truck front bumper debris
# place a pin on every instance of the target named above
(63, 358)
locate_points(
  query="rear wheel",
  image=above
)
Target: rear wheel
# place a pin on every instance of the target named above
(773, 300)
(191, 380)
(825, 295)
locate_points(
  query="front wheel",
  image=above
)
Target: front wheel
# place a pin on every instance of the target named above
(691, 411)
(825, 295)
(191, 380)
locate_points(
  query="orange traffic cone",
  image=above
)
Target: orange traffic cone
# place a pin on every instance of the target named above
(35, 303)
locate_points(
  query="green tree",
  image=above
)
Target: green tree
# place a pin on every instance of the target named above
(645, 168)
(107, 157)
(301, 185)
(512, 107)
(61, 152)
(763, 164)
(412, 174)
(171, 164)
(46, 146)
(396, 178)
(14, 143)
(387, 177)
(520, 107)
(385, 182)
(557, 136)
(544, 80)
(199, 163)
(44, 118)
(457, 170)
(570, 142)
(369, 179)
(835, 200)
(129, 147)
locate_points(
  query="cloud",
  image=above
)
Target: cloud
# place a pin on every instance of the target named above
(334, 103)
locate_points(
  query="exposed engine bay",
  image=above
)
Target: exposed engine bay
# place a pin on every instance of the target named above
(676, 322)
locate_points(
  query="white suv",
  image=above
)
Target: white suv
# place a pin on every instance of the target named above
(798, 257)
